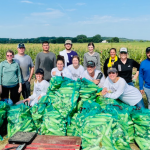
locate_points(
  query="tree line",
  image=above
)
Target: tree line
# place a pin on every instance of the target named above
(78, 39)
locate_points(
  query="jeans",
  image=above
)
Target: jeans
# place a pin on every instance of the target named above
(14, 95)
(26, 89)
(131, 83)
(140, 103)
(147, 92)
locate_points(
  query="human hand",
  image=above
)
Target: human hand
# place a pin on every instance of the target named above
(39, 97)
(54, 73)
(142, 92)
(20, 89)
(28, 99)
(104, 91)
(96, 81)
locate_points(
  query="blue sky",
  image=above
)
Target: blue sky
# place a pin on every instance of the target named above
(35, 18)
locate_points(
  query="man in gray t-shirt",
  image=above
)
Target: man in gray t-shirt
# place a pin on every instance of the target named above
(26, 67)
(45, 60)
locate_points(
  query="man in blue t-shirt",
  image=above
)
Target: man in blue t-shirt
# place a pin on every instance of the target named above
(68, 53)
(144, 76)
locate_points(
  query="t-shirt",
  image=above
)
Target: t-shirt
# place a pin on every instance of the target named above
(45, 61)
(76, 73)
(87, 76)
(40, 89)
(144, 74)
(126, 93)
(25, 63)
(65, 72)
(70, 55)
(95, 58)
(125, 70)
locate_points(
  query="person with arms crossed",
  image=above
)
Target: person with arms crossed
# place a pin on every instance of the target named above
(26, 68)
(144, 76)
(45, 60)
(91, 74)
(125, 66)
(68, 53)
(116, 87)
(76, 69)
(60, 70)
(91, 55)
(10, 78)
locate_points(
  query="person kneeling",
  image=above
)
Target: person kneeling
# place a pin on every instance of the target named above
(116, 88)
(94, 75)
(40, 88)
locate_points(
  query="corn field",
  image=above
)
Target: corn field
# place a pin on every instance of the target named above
(136, 50)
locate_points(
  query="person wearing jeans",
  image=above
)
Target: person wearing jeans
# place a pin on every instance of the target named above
(26, 67)
(144, 76)
(116, 88)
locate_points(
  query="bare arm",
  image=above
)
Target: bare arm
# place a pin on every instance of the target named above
(31, 74)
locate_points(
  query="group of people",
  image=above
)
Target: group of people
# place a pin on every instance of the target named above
(117, 81)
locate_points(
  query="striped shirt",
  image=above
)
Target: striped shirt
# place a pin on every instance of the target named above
(9, 73)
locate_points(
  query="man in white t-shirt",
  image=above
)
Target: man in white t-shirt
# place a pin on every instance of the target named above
(91, 74)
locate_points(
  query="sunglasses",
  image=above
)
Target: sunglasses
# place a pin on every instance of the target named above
(111, 73)
(9, 55)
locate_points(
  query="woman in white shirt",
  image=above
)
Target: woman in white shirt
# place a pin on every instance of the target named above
(76, 69)
(40, 88)
(116, 87)
(60, 70)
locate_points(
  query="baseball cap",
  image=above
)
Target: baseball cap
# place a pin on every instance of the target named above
(39, 70)
(90, 63)
(112, 69)
(123, 49)
(147, 49)
(21, 45)
(68, 42)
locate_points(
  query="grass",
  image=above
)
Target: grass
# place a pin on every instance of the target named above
(136, 52)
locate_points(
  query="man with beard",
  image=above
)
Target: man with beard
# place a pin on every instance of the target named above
(144, 76)
(68, 53)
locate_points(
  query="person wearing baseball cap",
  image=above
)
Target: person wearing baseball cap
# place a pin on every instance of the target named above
(40, 88)
(125, 67)
(26, 67)
(93, 75)
(68, 53)
(144, 76)
(116, 87)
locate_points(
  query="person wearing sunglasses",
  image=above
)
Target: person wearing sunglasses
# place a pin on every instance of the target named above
(116, 87)
(125, 67)
(10, 78)
(93, 75)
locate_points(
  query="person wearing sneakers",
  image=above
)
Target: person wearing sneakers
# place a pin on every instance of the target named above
(144, 76)
(116, 87)
(26, 67)
(68, 53)
(94, 75)
(125, 66)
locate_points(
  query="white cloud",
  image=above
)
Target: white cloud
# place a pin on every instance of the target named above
(54, 13)
(29, 2)
(46, 24)
(70, 9)
(80, 4)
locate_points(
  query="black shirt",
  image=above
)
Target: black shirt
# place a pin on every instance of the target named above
(105, 67)
(125, 70)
